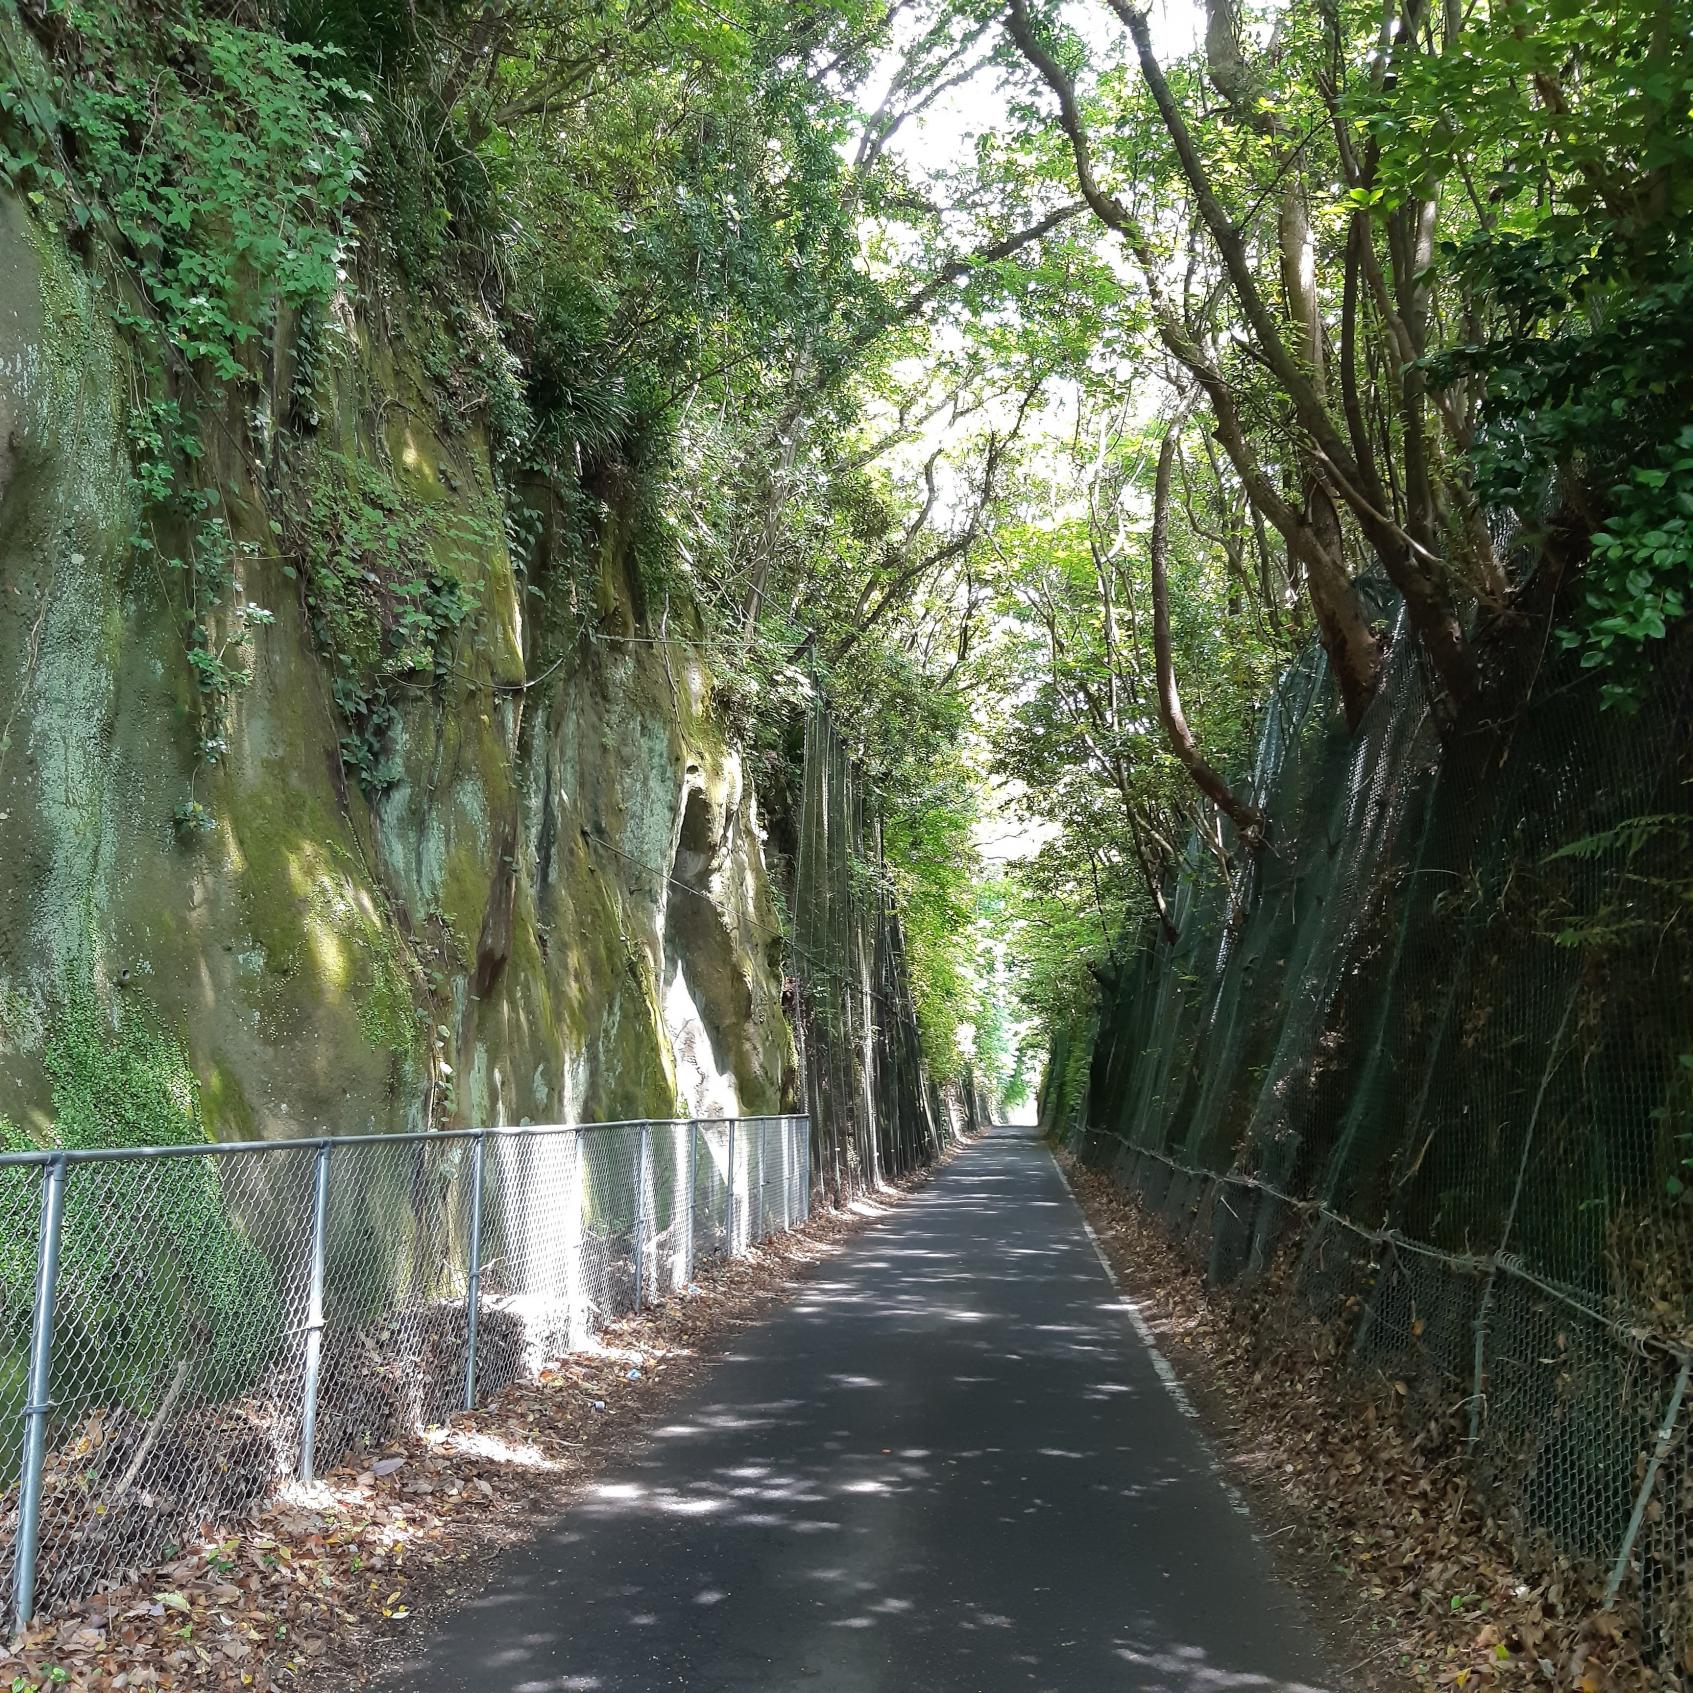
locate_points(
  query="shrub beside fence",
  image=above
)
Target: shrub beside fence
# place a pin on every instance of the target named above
(184, 1328)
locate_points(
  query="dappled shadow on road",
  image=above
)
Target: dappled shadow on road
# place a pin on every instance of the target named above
(947, 1465)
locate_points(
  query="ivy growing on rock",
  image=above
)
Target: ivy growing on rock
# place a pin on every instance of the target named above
(388, 584)
(216, 165)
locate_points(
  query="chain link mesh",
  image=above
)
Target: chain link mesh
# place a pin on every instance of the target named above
(182, 1322)
(1437, 1043)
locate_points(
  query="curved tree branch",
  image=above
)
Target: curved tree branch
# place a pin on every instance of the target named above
(1248, 820)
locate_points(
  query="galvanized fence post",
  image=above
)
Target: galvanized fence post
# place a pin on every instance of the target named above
(763, 1223)
(579, 1319)
(640, 1197)
(1478, 1364)
(729, 1198)
(693, 1192)
(40, 1373)
(1666, 1439)
(314, 1315)
(802, 1165)
(473, 1288)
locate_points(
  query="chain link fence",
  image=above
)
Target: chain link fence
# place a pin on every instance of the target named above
(185, 1328)
(1435, 1045)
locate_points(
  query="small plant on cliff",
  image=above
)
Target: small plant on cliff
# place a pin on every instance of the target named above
(219, 164)
(386, 594)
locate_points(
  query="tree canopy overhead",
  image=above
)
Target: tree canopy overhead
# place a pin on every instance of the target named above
(1036, 379)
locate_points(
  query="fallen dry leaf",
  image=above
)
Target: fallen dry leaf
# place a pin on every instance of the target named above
(1376, 1483)
(287, 1588)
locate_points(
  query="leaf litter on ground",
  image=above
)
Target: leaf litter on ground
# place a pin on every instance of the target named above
(1392, 1531)
(309, 1583)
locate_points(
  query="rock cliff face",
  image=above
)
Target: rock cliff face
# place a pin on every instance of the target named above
(521, 882)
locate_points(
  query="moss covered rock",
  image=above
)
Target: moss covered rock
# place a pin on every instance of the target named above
(437, 874)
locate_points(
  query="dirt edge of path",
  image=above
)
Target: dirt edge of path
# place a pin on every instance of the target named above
(1412, 1584)
(320, 1588)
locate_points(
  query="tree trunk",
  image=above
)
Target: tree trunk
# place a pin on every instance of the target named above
(1248, 821)
(1344, 629)
(1353, 649)
(1419, 578)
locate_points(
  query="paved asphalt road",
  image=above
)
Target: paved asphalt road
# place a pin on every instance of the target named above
(949, 1466)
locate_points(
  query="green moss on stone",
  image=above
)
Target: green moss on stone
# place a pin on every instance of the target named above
(118, 1081)
(324, 937)
(463, 896)
(286, 845)
(148, 1247)
(387, 1013)
(224, 1106)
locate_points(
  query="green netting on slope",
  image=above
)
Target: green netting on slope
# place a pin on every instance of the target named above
(873, 1110)
(1441, 1035)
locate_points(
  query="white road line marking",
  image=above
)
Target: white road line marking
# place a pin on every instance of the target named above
(1166, 1371)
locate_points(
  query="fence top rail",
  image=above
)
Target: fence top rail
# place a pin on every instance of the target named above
(1462, 1263)
(315, 1143)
